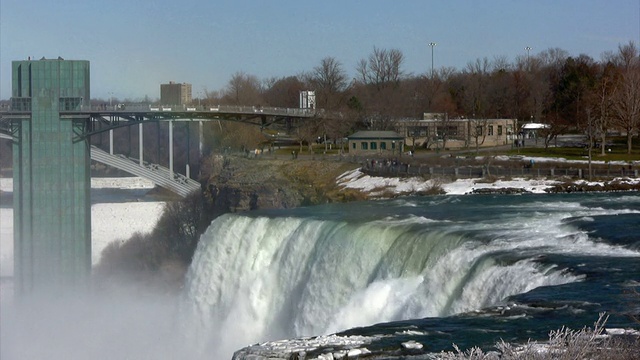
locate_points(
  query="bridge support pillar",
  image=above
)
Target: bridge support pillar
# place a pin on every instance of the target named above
(171, 149)
(201, 138)
(111, 141)
(51, 178)
(140, 145)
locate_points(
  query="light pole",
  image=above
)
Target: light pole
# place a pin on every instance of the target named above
(528, 48)
(432, 44)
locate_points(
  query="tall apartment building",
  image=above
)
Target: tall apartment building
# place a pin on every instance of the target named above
(175, 94)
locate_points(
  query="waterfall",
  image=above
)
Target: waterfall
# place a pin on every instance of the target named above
(257, 278)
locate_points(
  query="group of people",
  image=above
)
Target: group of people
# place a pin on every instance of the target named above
(385, 165)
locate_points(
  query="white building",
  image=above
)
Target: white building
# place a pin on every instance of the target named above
(437, 131)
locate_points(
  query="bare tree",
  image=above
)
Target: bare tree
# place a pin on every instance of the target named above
(478, 132)
(572, 94)
(472, 96)
(533, 79)
(243, 89)
(442, 100)
(474, 88)
(283, 92)
(329, 80)
(307, 133)
(626, 100)
(444, 130)
(552, 57)
(381, 92)
(382, 68)
(603, 100)
(238, 136)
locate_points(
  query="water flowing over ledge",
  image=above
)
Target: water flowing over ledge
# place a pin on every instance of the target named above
(272, 275)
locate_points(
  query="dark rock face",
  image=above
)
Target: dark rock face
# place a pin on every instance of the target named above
(504, 191)
(230, 197)
(586, 187)
(236, 185)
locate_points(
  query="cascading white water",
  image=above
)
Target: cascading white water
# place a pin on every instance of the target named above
(261, 278)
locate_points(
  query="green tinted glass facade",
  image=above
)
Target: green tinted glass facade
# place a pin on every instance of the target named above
(52, 217)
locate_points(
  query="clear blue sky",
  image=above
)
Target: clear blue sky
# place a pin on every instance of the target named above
(135, 45)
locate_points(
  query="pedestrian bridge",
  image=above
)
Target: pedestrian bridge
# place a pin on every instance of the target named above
(159, 175)
(106, 118)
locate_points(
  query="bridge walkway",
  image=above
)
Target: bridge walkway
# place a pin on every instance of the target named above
(159, 175)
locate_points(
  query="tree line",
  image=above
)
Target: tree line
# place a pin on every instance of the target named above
(575, 94)
(570, 94)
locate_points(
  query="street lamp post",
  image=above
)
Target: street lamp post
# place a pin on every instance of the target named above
(432, 44)
(528, 48)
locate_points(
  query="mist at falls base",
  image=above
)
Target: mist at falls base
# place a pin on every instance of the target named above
(439, 270)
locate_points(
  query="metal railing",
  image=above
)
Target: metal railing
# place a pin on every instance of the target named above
(159, 175)
(466, 172)
(226, 109)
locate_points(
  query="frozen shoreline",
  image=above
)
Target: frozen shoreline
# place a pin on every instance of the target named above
(6, 184)
(377, 186)
(109, 221)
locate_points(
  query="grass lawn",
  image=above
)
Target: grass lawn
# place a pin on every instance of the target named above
(616, 151)
(617, 147)
(572, 153)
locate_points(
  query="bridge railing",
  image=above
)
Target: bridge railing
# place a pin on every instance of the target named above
(228, 109)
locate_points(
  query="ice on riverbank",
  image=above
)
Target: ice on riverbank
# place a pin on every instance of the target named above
(356, 179)
(6, 184)
(109, 221)
(377, 185)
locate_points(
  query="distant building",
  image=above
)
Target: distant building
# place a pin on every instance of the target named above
(436, 131)
(175, 94)
(376, 142)
(307, 99)
(532, 130)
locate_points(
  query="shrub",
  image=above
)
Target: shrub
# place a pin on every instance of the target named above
(181, 224)
(563, 344)
(162, 256)
(136, 260)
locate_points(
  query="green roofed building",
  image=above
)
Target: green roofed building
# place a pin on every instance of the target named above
(52, 221)
(383, 143)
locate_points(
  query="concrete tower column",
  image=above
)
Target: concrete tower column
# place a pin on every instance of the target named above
(52, 217)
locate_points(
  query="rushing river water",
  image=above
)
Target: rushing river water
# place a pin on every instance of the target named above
(439, 270)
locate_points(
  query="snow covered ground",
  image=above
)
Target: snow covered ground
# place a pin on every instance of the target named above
(109, 221)
(562, 160)
(374, 185)
(356, 179)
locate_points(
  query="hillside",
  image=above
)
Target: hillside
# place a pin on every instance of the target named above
(240, 184)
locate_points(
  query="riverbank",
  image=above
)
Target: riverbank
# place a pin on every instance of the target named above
(384, 187)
